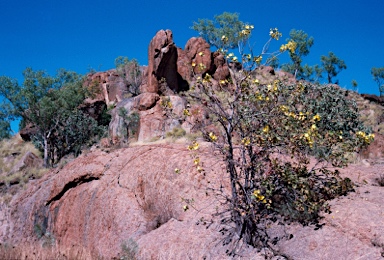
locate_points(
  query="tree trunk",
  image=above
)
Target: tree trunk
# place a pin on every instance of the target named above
(46, 156)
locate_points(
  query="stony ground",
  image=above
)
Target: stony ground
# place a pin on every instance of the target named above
(115, 203)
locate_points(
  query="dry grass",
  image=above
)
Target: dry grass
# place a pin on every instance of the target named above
(11, 181)
(38, 252)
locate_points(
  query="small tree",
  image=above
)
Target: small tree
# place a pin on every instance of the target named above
(304, 43)
(267, 135)
(354, 85)
(50, 104)
(311, 73)
(131, 72)
(378, 76)
(226, 24)
(332, 66)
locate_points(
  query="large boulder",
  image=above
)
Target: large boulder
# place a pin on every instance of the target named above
(29, 160)
(154, 122)
(109, 86)
(221, 66)
(198, 52)
(162, 62)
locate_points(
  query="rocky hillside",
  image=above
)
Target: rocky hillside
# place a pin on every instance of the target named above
(149, 201)
(106, 201)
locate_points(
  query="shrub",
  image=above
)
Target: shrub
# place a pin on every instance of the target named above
(176, 133)
(268, 134)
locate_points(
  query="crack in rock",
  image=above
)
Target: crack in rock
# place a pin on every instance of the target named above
(72, 184)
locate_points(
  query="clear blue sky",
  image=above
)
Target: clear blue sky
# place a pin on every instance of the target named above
(83, 34)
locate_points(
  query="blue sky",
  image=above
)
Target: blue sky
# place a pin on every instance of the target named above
(81, 34)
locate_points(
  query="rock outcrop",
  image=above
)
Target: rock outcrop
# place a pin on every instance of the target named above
(109, 85)
(104, 200)
(162, 62)
(152, 116)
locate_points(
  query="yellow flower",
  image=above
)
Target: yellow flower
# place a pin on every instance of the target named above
(258, 196)
(186, 112)
(199, 169)
(274, 33)
(256, 81)
(248, 27)
(193, 64)
(258, 59)
(301, 116)
(266, 129)
(213, 137)
(193, 146)
(313, 127)
(316, 117)
(185, 207)
(291, 46)
(224, 38)
(234, 58)
(246, 141)
(177, 170)
(201, 53)
(196, 161)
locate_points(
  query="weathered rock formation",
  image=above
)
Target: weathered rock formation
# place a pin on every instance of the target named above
(101, 201)
(162, 62)
(153, 119)
(109, 85)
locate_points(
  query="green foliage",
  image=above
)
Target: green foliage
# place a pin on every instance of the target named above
(354, 85)
(332, 66)
(311, 73)
(131, 73)
(51, 105)
(176, 133)
(304, 43)
(268, 134)
(131, 121)
(225, 24)
(5, 127)
(378, 76)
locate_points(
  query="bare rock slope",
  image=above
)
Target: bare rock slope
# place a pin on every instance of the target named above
(104, 200)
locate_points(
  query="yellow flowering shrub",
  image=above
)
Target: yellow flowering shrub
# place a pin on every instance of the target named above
(267, 134)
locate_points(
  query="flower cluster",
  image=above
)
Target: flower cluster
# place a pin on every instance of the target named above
(368, 138)
(186, 112)
(275, 34)
(246, 32)
(212, 137)
(224, 39)
(258, 59)
(193, 146)
(291, 46)
(166, 103)
(257, 194)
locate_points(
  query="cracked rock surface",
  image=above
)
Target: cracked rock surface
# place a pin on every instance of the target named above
(104, 199)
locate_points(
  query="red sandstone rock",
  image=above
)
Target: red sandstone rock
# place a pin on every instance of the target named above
(198, 52)
(103, 200)
(222, 70)
(162, 62)
(109, 84)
